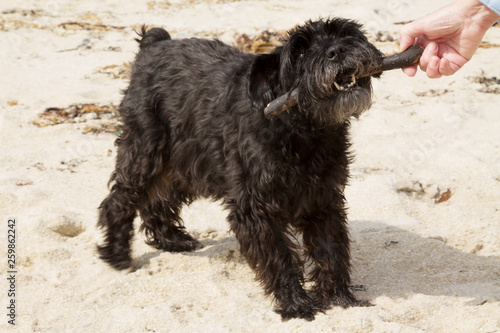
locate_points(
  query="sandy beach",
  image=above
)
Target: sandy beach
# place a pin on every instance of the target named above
(424, 194)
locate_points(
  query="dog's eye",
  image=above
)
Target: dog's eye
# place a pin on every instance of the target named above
(301, 55)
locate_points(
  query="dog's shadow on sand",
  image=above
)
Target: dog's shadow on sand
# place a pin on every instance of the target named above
(389, 261)
(224, 248)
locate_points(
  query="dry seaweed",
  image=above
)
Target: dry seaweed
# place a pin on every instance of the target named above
(432, 93)
(98, 118)
(264, 42)
(21, 18)
(403, 22)
(487, 81)
(490, 85)
(165, 4)
(25, 12)
(383, 36)
(445, 196)
(72, 25)
(7, 24)
(487, 45)
(116, 71)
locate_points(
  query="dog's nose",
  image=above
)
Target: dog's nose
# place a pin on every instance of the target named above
(335, 52)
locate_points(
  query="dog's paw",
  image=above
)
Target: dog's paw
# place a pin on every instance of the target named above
(118, 259)
(184, 245)
(344, 299)
(306, 313)
(349, 301)
(180, 242)
(303, 308)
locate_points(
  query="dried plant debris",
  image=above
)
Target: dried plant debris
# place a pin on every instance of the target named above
(72, 25)
(25, 12)
(403, 22)
(37, 19)
(98, 118)
(158, 5)
(384, 36)
(267, 40)
(487, 45)
(490, 85)
(413, 190)
(180, 4)
(424, 192)
(432, 93)
(482, 79)
(70, 165)
(7, 24)
(16, 18)
(39, 165)
(24, 182)
(264, 42)
(390, 243)
(445, 196)
(116, 71)
(90, 17)
(103, 127)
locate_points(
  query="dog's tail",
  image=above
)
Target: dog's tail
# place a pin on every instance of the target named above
(151, 36)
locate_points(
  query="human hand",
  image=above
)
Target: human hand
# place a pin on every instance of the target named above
(450, 36)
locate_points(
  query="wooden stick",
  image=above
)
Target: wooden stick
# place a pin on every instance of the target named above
(281, 103)
(399, 60)
(408, 57)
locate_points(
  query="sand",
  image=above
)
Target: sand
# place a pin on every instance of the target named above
(424, 196)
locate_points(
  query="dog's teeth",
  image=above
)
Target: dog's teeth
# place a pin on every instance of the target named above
(338, 86)
(353, 79)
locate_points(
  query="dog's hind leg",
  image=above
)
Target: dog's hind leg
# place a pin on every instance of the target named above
(116, 217)
(162, 223)
(136, 171)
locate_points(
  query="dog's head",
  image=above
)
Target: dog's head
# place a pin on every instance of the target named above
(326, 60)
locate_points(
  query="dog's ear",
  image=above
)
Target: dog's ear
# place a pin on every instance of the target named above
(293, 51)
(263, 79)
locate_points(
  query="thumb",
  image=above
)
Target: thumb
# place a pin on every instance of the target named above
(408, 34)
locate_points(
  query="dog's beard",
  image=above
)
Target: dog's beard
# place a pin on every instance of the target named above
(337, 91)
(333, 98)
(340, 107)
(352, 103)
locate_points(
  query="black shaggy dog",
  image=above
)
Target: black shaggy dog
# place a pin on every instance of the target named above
(194, 127)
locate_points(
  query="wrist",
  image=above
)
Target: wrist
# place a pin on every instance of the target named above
(481, 14)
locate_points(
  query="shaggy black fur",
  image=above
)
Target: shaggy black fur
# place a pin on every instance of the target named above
(194, 127)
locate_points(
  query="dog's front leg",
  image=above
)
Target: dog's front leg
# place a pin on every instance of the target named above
(270, 253)
(326, 240)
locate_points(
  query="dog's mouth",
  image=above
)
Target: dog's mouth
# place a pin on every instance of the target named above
(346, 83)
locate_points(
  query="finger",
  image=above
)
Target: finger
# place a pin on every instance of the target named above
(432, 70)
(408, 35)
(430, 51)
(445, 67)
(405, 41)
(411, 70)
